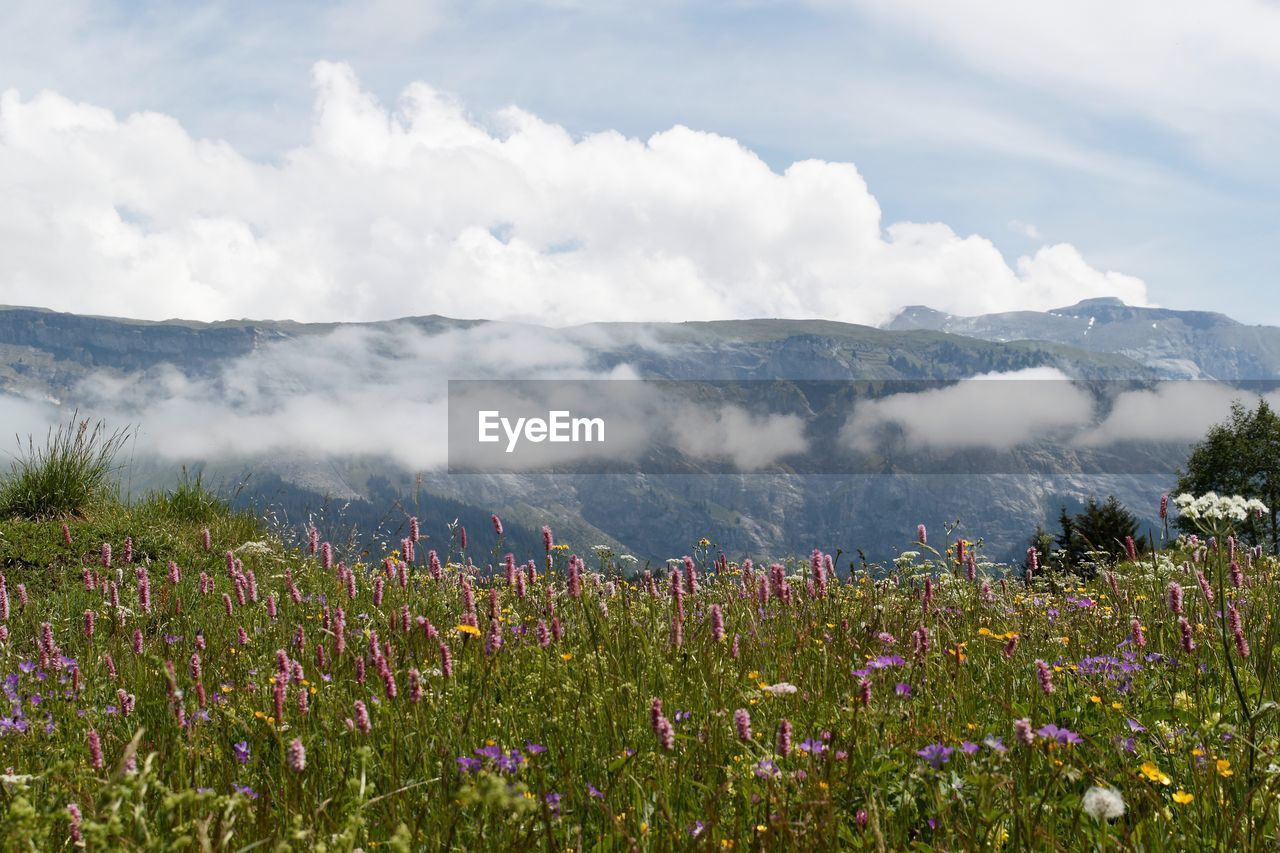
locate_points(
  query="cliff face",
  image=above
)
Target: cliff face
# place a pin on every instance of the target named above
(127, 345)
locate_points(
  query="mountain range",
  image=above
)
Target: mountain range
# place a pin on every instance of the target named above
(148, 371)
(1173, 344)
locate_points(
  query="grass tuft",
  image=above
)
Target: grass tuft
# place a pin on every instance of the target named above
(66, 477)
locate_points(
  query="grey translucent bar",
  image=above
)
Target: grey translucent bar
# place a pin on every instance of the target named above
(1021, 424)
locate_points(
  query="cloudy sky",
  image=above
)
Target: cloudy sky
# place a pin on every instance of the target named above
(574, 160)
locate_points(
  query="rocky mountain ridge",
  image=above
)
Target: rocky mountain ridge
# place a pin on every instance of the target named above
(46, 355)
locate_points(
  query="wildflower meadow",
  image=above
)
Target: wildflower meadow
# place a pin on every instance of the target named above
(176, 677)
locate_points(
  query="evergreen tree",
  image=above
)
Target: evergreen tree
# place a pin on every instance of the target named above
(1099, 528)
(1068, 542)
(1107, 526)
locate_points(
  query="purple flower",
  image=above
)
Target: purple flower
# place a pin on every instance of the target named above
(241, 751)
(1061, 735)
(813, 747)
(510, 762)
(247, 791)
(903, 689)
(995, 743)
(467, 764)
(594, 791)
(766, 769)
(534, 748)
(936, 755)
(968, 747)
(1135, 726)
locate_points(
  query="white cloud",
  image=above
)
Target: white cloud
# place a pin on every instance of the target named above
(750, 441)
(1200, 70)
(363, 22)
(985, 411)
(1026, 229)
(1172, 412)
(425, 209)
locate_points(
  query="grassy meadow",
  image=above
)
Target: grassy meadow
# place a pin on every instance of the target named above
(175, 678)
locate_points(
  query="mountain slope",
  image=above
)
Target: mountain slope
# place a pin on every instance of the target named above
(1176, 344)
(47, 355)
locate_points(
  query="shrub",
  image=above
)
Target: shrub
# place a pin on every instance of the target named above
(67, 476)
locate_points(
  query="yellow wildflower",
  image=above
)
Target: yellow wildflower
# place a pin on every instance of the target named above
(1155, 774)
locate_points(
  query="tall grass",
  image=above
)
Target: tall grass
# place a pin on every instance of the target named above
(67, 475)
(922, 709)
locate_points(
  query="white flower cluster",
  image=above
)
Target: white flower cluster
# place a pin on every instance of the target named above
(782, 688)
(254, 548)
(1213, 506)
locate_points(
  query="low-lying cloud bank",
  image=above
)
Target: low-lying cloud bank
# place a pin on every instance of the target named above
(424, 208)
(1002, 411)
(383, 392)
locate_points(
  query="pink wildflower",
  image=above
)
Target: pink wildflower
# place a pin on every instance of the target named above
(446, 661)
(95, 750)
(362, 718)
(717, 624)
(742, 723)
(297, 756)
(784, 730)
(1045, 675)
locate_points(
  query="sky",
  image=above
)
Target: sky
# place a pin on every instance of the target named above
(564, 161)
